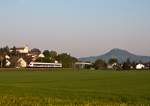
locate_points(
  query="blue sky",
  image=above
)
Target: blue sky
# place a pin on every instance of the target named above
(80, 27)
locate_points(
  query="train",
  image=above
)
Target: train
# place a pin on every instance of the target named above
(44, 65)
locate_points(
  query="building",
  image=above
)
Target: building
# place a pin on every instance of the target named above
(82, 65)
(8, 63)
(23, 50)
(21, 63)
(140, 66)
(41, 55)
(7, 57)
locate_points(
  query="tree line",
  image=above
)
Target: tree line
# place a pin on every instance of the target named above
(114, 64)
(51, 56)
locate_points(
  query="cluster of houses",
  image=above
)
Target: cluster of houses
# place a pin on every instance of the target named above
(114, 66)
(117, 66)
(24, 57)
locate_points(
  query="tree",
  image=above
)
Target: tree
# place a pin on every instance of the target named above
(44, 59)
(46, 53)
(100, 64)
(6, 50)
(13, 51)
(50, 56)
(39, 59)
(127, 65)
(66, 60)
(13, 61)
(112, 61)
(35, 51)
(3, 52)
(133, 64)
(53, 55)
(148, 65)
(1, 60)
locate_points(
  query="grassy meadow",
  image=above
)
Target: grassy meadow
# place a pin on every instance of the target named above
(68, 87)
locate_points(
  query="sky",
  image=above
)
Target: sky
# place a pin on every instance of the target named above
(79, 27)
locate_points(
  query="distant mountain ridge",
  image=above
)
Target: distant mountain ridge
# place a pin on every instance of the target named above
(120, 54)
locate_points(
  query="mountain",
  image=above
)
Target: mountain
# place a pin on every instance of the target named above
(121, 55)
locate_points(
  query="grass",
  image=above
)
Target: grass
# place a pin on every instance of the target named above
(68, 87)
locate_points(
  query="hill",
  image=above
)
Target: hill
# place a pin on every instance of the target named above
(121, 55)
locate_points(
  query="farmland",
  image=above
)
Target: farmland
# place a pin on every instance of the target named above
(68, 87)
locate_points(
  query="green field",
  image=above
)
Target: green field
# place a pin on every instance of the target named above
(67, 87)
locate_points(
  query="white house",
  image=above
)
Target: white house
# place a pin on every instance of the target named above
(140, 66)
(21, 63)
(8, 63)
(7, 57)
(23, 50)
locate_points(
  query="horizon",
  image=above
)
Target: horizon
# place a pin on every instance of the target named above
(81, 28)
(42, 50)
